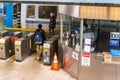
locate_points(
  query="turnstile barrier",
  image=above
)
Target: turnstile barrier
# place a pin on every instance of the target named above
(49, 48)
(16, 35)
(5, 47)
(24, 47)
(7, 44)
(3, 33)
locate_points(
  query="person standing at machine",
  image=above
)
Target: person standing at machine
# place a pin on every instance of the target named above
(52, 23)
(39, 38)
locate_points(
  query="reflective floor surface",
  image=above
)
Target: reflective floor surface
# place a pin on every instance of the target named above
(29, 69)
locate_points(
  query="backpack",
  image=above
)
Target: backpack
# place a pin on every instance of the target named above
(38, 37)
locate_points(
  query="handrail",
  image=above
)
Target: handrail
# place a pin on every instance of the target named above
(26, 29)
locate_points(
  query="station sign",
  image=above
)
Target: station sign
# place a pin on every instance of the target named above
(114, 42)
(114, 35)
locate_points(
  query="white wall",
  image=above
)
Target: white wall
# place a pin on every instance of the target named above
(71, 10)
(23, 15)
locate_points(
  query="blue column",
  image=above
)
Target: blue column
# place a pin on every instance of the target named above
(8, 19)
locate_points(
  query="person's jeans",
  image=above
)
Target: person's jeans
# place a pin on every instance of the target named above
(39, 50)
(51, 29)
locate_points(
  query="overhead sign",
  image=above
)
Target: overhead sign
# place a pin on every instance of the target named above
(72, 1)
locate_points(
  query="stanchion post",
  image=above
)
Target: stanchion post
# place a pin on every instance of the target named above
(81, 43)
(61, 27)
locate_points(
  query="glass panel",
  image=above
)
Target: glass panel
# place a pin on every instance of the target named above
(30, 11)
(98, 32)
(104, 35)
(71, 32)
(90, 29)
(118, 26)
(44, 11)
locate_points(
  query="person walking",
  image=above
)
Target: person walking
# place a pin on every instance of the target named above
(39, 38)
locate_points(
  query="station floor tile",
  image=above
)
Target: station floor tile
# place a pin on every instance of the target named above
(29, 69)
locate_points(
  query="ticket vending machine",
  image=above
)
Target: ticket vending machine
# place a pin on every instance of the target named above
(24, 47)
(49, 48)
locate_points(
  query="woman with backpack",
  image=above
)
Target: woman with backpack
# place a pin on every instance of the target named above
(39, 38)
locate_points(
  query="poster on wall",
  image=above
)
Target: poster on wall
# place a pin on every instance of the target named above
(87, 45)
(85, 60)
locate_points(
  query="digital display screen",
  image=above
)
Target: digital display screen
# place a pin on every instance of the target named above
(114, 43)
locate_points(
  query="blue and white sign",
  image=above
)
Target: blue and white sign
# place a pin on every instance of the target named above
(1, 11)
(114, 52)
(114, 35)
(114, 43)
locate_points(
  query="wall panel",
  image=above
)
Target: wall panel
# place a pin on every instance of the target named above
(100, 12)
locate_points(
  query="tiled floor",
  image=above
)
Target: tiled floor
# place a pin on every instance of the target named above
(29, 69)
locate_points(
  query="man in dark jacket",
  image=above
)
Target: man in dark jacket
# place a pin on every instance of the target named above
(52, 23)
(39, 45)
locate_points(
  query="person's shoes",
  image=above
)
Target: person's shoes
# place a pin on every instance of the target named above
(38, 58)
